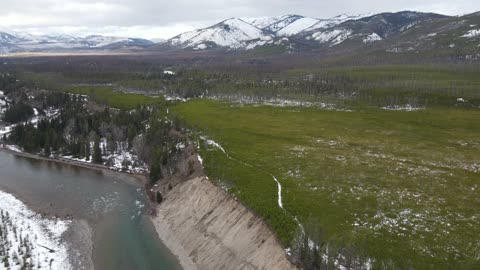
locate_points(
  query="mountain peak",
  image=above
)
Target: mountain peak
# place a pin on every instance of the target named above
(231, 33)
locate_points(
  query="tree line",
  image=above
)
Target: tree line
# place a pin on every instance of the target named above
(85, 130)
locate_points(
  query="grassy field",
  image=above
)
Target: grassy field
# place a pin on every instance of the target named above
(106, 95)
(100, 92)
(401, 186)
(427, 85)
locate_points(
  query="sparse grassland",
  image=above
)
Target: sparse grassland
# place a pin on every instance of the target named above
(430, 85)
(102, 92)
(106, 95)
(403, 187)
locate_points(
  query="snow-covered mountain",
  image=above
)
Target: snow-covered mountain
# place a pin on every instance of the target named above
(233, 33)
(365, 30)
(384, 31)
(249, 33)
(11, 41)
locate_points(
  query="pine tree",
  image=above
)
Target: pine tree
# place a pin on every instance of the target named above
(159, 197)
(47, 150)
(97, 152)
(87, 150)
(155, 172)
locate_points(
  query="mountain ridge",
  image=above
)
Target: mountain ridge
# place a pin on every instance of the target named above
(391, 32)
(14, 42)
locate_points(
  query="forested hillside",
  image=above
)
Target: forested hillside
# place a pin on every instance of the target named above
(73, 126)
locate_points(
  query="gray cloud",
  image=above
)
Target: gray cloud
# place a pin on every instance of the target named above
(171, 17)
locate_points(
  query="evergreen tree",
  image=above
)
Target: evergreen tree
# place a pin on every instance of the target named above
(97, 152)
(155, 172)
(47, 150)
(87, 150)
(159, 197)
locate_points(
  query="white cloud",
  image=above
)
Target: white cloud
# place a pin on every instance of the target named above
(165, 18)
(138, 31)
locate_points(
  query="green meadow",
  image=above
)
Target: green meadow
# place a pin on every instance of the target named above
(106, 95)
(402, 187)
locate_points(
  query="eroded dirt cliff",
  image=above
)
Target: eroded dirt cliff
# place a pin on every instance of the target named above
(208, 229)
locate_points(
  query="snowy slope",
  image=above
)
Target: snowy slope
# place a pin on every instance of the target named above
(11, 41)
(331, 37)
(286, 25)
(232, 33)
(364, 29)
(327, 32)
(26, 237)
(7, 38)
(263, 22)
(297, 26)
(472, 33)
(249, 33)
(334, 21)
(372, 38)
(282, 22)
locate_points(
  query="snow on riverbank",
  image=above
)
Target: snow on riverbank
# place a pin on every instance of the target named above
(50, 113)
(26, 238)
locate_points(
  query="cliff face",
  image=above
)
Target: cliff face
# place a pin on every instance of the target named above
(208, 229)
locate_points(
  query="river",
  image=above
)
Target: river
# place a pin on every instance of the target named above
(113, 205)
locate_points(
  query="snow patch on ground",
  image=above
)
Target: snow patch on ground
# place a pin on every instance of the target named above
(472, 33)
(49, 114)
(407, 107)
(214, 144)
(5, 130)
(200, 159)
(174, 98)
(277, 102)
(280, 203)
(28, 237)
(400, 50)
(334, 37)
(372, 38)
(122, 159)
(13, 148)
(218, 146)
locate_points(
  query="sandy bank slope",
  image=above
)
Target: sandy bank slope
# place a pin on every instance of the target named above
(208, 229)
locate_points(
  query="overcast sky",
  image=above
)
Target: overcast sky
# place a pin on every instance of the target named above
(166, 18)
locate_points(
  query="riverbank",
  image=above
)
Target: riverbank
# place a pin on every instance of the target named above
(212, 230)
(81, 233)
(76, 239)
(78, 235)
(99, 167)
(30, 239)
